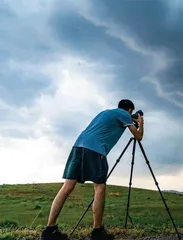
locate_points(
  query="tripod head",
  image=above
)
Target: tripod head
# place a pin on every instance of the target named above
(135, 116)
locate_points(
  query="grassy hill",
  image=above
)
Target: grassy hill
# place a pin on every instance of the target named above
(24, 211)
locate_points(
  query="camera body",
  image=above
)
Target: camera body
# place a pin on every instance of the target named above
(135, 116)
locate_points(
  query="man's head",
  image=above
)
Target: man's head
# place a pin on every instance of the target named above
(127, 105)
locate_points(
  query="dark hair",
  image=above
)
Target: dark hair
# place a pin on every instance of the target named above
(126, 104)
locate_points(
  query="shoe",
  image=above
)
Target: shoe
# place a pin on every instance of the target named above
(48, 234)
(101, 234)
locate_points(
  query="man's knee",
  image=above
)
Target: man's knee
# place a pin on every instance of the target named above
(100, 187)
(69, 185)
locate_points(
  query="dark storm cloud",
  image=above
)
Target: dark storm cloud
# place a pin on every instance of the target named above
(25, 37)
(149, 25)
(23, 49)
(152, 24)
(19, 89)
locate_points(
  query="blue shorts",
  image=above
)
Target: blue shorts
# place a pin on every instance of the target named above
(86, 165)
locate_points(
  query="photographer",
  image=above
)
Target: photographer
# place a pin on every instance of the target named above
(88, 162)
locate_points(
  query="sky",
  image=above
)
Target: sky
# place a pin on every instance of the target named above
(63, 62)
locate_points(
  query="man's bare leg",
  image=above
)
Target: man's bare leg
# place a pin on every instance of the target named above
(59, 201)
(98, 204)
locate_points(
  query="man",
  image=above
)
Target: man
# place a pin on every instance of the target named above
(87, 162)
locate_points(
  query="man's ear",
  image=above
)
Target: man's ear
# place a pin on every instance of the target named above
(130, 110)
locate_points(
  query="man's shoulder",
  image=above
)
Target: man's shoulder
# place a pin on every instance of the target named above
(120, 111)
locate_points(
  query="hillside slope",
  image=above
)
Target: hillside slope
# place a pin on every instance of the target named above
(27, 207)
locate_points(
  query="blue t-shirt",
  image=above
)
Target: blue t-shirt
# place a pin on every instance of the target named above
(104, 131)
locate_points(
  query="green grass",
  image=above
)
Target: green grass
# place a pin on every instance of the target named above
(24, 210)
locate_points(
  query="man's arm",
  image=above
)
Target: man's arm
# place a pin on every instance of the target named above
(138, 134)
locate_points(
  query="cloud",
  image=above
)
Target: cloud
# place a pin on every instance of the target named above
(70, 90)
(21, 82)
(128, 23)
(25, 32)
(27, 160)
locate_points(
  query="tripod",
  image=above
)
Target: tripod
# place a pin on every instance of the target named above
(130, 184)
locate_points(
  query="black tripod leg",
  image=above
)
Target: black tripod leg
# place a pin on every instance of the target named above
(82, 216)
(143, 152)
(130, 183)
(117, 161)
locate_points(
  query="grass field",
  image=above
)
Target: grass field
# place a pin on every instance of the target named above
(24, 211)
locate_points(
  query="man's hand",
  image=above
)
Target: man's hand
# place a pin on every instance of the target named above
(140, 119)
(138, 134)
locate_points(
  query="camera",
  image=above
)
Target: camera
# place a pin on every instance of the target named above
(135, 116)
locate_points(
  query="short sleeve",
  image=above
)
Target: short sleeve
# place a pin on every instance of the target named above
(125, 118)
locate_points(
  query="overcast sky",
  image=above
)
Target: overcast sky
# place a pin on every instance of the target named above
(62, 62)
